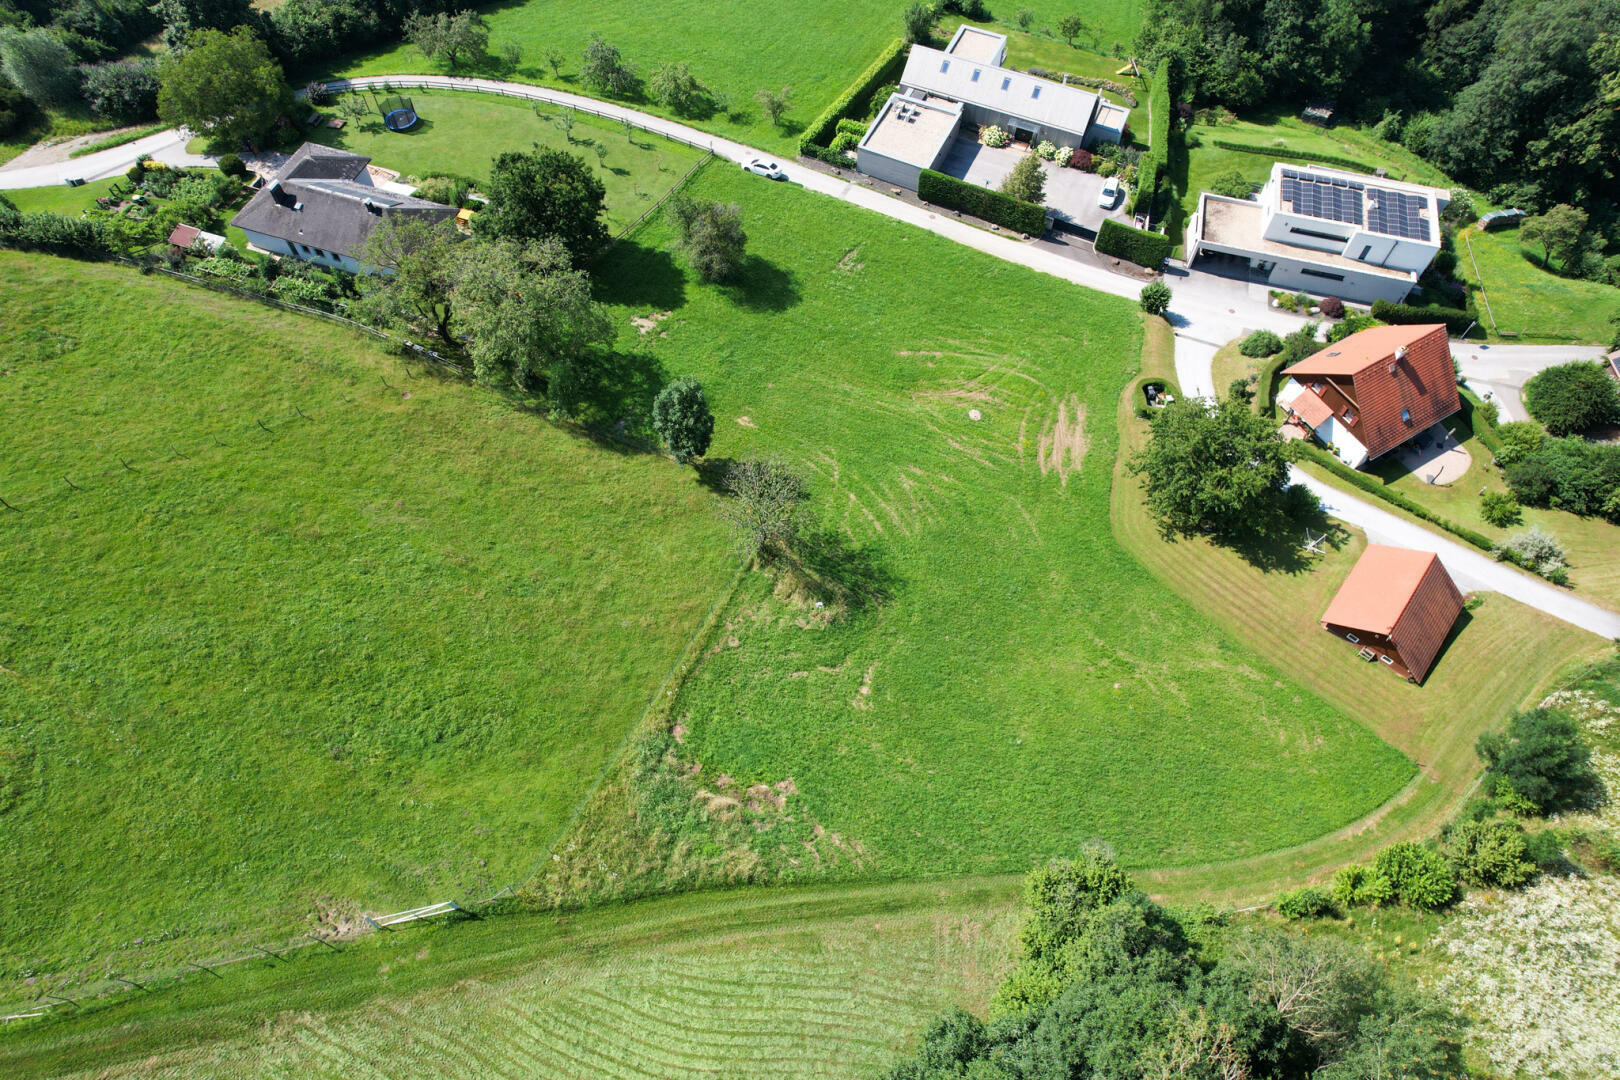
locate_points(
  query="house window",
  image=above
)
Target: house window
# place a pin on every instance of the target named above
(1387, 660)
(975, 76)
(1406, 416)
(1352, 639)
(1006, 82)
(945, 65)
(1308, 272)
(1349, 416)
(1319, 235)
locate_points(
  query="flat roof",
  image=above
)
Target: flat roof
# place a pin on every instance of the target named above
(1110, 115)
(1237, 223)
(971, 43)
(912, 131)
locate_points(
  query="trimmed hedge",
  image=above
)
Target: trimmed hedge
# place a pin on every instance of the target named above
(1138, 395)
(1373, 486)
(1139, 246)
(856, 98)
(1266, 384)
(1456, 319)
(1474, 416)
(1301, 155)
(1151, 167)
(981, 202)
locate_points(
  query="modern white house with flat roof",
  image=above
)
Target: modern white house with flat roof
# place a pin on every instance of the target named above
(1327, 232)
(964, 87)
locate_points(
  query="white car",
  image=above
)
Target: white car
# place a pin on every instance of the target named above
(1109, 195)
(770, 170)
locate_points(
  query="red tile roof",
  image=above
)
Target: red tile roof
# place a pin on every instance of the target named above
(1311, 409)
(1421, 383)
(1405, 595)
(184, 235)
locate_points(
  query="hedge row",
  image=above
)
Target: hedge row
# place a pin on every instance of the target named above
(1373, 486)
(1266, 383)
(1456, 319)
(1473, 415)
(1301, 155)
(57, 234)
(1141, 247)
(981, 202)
(882, 70)
(1150, 168)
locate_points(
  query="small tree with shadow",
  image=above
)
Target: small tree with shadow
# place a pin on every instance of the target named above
(1155, 298)
(675, 87)
(605, 70)
(711, 235)
(1071, 27)
(775, 103)
(1213, 470)
(767, 508)
(919, 22)
(462, 36)
(555, 59)
(681, 417)
(1027, 181)
(1542, 758)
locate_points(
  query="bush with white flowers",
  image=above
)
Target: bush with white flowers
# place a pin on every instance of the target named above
(993, 136)
(1064, 153)
(1047, 149)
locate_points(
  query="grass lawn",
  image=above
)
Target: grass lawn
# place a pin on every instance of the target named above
(359, 661)
(1275, 614)
(1111, 25)
(736, 47)
(59, 198)
(801, 983)
(462, 133)
(1527, 301)
(1229, 364)
(1027, 685)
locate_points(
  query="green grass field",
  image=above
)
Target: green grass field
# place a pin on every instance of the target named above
(735, 47)
(1529, 302)
(1027, 686)
(59, 198)
(362, 660)
(462, 133)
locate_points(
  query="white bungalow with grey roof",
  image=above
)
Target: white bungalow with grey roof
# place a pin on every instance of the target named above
(1326, 232)
(964, 87)
(321, 207)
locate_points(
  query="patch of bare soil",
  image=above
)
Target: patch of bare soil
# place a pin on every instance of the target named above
(745, 422)
(51, 153)
(646, 324)
(1062, 444)
(334, 920)
(851, 260)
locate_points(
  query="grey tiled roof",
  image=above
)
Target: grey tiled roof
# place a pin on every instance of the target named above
(318, 200)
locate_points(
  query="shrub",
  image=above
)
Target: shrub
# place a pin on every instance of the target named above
(1542, 757)
(1356, 885)
(992, 206)
(1306, 903)
(856, 96)
(1571, 398)
(1332, 307)
(1417, 877)
(1233, 184)
(124, 90)
(1242, 389)
(1456, 319)
(1537, 549)
(1061, 158)
(1499, 508)
(1027, 181)
(1261, 343)
(711, 234)
(850, 126)
(232, 165)
(1107, 167)
(1046, 149)
(136, 173)
(448, 190)
(1520, 440)
(844, 142)
(1083, 160)
(1488, 853)
(1155, 298)
(1569, 474)
(1139, 246)
(681, 417)
(993, 136)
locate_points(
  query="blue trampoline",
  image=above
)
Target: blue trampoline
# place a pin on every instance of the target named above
(399, 113)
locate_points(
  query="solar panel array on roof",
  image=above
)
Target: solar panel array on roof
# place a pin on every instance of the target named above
(1325, 197)
(1396, 213)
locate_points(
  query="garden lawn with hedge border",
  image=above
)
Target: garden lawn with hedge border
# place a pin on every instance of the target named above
(1025, 686)
(364, 660)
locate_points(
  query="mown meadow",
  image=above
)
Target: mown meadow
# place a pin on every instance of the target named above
(293, 631)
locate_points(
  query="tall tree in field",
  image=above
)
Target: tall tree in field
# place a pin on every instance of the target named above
(766, 511)
(1213, 470)
(530, 315)
(604, 69)
(37, 63)
(453, 38)
(681, 417)
(1071, 27)
(1558, 231)
(422, 255)
(775, 103)
(224, 86)
(711, 235)
(543, 194)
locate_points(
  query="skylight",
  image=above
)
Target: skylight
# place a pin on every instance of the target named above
(1035, 93)
(1006, 82)
(944, 66)
(975, 76)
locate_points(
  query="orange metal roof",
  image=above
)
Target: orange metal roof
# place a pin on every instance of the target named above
(1311, 409)
(1422, 384)
(1405, 595)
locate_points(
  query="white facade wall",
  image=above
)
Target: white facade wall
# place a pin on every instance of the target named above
(887, 169)
(1294, 276)
(278, 246)
(1345, 445)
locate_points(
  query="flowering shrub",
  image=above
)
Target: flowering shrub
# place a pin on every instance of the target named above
(1063, 155)
(993, 136)
(1046, 149)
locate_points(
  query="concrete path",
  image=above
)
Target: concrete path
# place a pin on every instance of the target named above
(168, 147)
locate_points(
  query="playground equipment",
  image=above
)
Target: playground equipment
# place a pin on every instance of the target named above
(398, 112)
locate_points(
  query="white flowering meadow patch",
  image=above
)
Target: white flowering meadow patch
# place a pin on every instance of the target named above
(1540, 969)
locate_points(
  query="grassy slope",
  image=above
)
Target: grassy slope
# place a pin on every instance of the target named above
(734, 46)
(1436, 724)
(1025, 659)
(371, 659)
(811, 982)
(1529, 301)
(462, 133)
(59, 198)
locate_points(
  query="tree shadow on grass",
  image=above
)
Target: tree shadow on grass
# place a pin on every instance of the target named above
(844, 574)
(635, 275)
(1277, 542)
(617, 395)
(761, 285)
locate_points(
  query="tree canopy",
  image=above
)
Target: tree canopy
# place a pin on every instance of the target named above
(451, 37)
(225, 86)
(1215, 470)
(1542, 757)
(681, 417)
(1572, 398)
(711, 234)
(535, 195)
(40, 65)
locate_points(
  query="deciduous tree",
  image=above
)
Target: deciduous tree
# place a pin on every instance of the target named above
(37, 63)
(457, 37)
(766, 510)
(775, 103)
(541, 194)
(711, 234)
(681, 417)
(605, 70)
(422, 255)
(675, 87)
(1559, 232)
(1573, 398)
(1027, 181)
(1543, 757)
(1215, 470)
(224, 86)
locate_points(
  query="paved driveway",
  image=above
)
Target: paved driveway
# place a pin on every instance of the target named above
(1070, 192)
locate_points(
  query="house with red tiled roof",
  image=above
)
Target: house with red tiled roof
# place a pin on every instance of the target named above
(1398, 606)
(1366, 395)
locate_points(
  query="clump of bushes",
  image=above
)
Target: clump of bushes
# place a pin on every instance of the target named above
(1233, 184)
(233, 165)
(1572, 398)
(1499, 508)
(1491, 854)
(1261, 343)
(1535, 549)
(1406, 873)
(993, 136)
(1306, 903)
(1139, 246)
(1332, 307)
(1354, 324)
(1155, 298)
(1565, 474)
(1356, 885)
(1083, 160)
(1542, 758)
(1047, 149)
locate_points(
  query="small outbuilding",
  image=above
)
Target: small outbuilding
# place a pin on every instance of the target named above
(1399, 606)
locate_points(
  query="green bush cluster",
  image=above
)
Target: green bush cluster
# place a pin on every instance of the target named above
(1499, 508)
(1261, 343)
(56, 234)
(1457, 320)
(853, 101)
(1307, 903)
(1491, 854)
(1543, 758)
(1151, 167)
(1405, 873)
(992, 206)
(1353, 324)
(1301, 155)
(1572, 398)
(1139, 246)
(232, 165)
(1569, 474)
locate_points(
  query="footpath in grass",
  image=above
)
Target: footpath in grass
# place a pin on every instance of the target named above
(367, 656)
(735, 47)
(811, 983)
(1025, 685)
(461, 133)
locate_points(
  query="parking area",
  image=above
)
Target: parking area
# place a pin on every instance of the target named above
(1072, 194)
